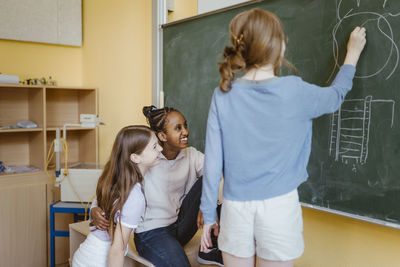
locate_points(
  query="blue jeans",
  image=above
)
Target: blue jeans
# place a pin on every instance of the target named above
(164, 246)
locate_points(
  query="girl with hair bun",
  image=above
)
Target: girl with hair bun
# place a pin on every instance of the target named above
(173, 191)
(259, 136)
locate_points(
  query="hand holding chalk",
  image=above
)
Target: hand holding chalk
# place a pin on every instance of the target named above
(355, 45)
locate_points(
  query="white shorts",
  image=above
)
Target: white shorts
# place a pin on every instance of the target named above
(93, 252)
(271, 228)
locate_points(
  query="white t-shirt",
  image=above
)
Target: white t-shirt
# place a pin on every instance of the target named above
(131, 215)
(166, 185)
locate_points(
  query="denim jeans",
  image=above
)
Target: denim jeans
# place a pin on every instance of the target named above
(164, 246)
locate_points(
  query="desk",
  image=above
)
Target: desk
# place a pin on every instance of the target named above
(62, 207)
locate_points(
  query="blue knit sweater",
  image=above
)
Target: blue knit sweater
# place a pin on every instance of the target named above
(259, 136)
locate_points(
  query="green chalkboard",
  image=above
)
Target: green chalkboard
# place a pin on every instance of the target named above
(355, 161)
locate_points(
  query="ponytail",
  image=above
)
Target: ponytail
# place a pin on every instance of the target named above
(233, 63)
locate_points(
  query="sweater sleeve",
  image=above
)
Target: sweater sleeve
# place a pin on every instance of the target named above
(213, 164)
(323, 100)
(198, 162)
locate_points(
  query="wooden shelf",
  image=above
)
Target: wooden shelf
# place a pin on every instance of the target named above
(11, 85)
(2, 174)
(21, 130)
(69, 88)
(69, 128)
(49, 108)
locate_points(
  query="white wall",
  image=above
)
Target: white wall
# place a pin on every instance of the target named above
(211, 5)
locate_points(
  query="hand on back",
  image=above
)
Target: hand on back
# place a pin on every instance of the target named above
(355, 45)
(97, 216)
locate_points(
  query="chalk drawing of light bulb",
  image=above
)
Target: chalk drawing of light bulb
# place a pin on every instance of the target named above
(380, 39)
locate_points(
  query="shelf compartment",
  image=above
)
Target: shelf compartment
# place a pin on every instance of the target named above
(65, 105)
(21, 103)
(22, 149)
(82, 146)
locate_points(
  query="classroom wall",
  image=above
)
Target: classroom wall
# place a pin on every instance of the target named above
(183, 9)
(36, 60)
(336, 241)
(116, 58)
(211, 5)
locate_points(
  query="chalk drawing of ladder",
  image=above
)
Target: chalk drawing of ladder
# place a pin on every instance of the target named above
(350, 127)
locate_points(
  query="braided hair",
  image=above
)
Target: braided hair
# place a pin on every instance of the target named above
(156, 117)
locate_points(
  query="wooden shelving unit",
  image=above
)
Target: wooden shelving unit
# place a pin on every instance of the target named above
(49, 108)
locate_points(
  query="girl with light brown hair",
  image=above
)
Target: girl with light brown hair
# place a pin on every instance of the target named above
(259, 136)
(119, 194)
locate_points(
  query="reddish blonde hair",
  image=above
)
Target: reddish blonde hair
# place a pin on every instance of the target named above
(257, 37)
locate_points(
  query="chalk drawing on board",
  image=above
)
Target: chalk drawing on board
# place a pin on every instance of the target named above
(387, 33)
(350, 130)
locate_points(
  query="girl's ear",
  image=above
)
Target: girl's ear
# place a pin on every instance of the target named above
(162, 136)
(283, 49)
(135, 158)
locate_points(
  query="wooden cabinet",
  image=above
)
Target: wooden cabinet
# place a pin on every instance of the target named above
(25, 197)
(23, 231)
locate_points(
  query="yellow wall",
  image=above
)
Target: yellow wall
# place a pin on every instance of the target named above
(117, 59)
(336, 241)
(35, 60)
(183, 9)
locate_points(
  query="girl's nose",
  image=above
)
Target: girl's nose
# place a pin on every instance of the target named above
(185, 131)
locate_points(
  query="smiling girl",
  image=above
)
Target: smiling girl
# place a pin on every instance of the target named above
(173, 190)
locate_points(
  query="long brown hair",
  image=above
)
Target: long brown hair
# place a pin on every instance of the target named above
(120, 174)
(256, 36)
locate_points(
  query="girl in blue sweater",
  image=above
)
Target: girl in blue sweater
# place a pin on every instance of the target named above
(259, 136)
